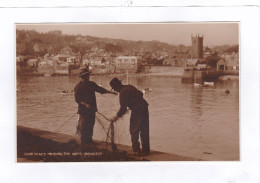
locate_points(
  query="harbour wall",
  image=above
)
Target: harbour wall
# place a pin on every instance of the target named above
(29, 138)
(208, 75)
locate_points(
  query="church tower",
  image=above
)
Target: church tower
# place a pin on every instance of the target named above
(197, 47)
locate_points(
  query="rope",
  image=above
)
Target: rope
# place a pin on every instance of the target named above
(104, 116)
(60, 98)
(107, 132)
(111, 127)
(65, 122)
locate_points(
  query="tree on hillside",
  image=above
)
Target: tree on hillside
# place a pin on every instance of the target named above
(28, 49)
(37, 40)
(82, 48)
(55, 48)
(113, 48)
(233, 49)
(69, 38)
(20, 36)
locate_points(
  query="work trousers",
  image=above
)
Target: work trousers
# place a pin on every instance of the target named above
(139, 125)
(86, 125)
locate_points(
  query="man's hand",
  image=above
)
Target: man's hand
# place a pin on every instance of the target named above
(85, 104)
(111, 92)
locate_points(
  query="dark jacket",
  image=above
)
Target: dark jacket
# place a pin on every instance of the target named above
(85, 92)
(132, 98)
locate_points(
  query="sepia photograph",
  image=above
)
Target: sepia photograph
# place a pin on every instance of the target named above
(120, 92)
(129, 93)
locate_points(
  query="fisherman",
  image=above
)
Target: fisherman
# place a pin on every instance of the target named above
(131, 97)
(84, 93)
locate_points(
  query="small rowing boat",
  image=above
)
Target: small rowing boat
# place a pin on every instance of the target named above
(196, 84)
(66, 92)
(147, 90)
(208, 83)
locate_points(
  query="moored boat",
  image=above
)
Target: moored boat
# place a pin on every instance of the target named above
(208, 83)
(196, 84)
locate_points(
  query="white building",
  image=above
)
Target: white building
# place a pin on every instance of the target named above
(232, 61)
(129, 63)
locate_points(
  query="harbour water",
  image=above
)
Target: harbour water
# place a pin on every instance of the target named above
(200, 122)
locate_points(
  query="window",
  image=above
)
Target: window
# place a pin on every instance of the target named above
(221, 67)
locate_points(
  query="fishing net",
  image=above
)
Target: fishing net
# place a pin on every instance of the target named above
(108, 129)
(119, 132)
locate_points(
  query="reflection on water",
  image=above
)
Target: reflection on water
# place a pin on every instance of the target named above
(200, 122)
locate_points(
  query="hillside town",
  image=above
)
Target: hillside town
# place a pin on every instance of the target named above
(54, 53)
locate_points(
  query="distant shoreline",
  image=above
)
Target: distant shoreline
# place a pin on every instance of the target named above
(158, 71)
(176, 72)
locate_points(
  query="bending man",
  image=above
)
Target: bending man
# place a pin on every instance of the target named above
(132, 98)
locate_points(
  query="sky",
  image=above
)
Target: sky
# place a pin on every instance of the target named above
(217, 33)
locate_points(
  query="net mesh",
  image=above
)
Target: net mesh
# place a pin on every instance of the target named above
(121, 129)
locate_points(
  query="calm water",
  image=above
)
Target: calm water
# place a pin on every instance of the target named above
(201, 122)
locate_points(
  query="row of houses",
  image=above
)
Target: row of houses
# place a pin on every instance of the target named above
(214, 62)
(61, 64)
(103, 62)
(114, 64)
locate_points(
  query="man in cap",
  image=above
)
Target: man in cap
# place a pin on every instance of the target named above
(131, 97)
(84, 93)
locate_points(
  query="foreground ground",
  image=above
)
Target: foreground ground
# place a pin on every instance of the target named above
(35, 145)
